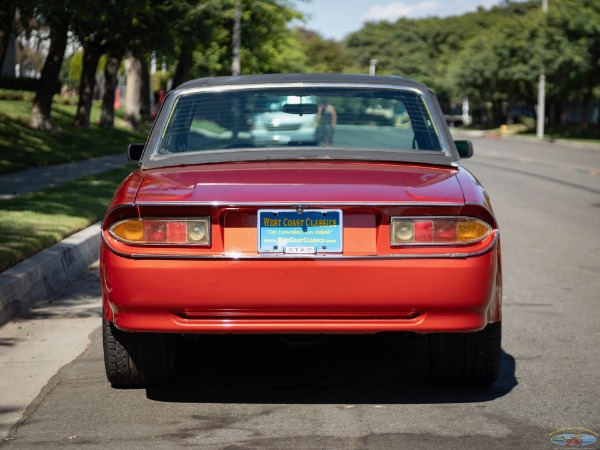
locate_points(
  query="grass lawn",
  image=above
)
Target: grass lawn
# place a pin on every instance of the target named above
(32, 222)
(22, 148)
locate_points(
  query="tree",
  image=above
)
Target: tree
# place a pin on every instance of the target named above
(98, 25)
(268, 44)
(116, 27)
(573, 64)
(198, 27)
(133, 71)
(7, 20)
(145, 35)
(111, 69)
(487, 55)
(57, 19)
(204, 39)
(500, 66)
(322, 55)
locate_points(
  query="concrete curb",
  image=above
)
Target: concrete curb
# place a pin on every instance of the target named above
(41, 276)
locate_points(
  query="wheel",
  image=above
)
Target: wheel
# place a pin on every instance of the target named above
(137, 359)
(467, 359)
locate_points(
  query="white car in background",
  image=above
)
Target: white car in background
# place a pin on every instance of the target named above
(285, 120)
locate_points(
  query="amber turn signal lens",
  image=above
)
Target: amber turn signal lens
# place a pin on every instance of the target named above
(131, 230)
(167, 231)
(437, 231)
(472, 230)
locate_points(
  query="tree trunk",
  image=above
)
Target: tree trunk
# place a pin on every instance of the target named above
(41, 112)
(184, 65)
(91, 56)
(564, 111)
(7, 20)
(145, 91)
(551, 107)
(133, 70)
(107, 116)
(588, 97)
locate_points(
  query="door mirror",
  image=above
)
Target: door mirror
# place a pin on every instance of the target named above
(465, 148)
(134, 152)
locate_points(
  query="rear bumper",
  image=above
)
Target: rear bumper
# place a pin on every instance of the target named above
(301, 295)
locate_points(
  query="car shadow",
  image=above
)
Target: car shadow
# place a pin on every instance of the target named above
(358, 369)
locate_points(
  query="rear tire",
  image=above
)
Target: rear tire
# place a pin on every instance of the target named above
(466, 359)
(137, 359)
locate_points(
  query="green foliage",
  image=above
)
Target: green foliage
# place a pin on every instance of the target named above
(492, 56)
(75, 66)
(502, 64)
(13, 95)
(268, 44)
(322, 55)
(573, 35)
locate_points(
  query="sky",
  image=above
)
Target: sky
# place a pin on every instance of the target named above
(334, 19)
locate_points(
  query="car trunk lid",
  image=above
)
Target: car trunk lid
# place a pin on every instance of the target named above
(302, 182)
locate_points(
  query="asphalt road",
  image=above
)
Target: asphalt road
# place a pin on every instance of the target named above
(354, 392)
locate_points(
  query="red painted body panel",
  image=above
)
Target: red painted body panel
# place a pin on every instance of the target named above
(304, 182)
(308, 295)
(127, 190)
(371, 287)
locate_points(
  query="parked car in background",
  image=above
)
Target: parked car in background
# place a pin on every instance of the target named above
(223, 229)
(276, 126)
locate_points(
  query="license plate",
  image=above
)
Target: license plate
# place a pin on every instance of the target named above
(301, 233)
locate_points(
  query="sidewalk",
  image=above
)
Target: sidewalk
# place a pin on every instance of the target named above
(483, 134)
(46, 273)
(31, 180)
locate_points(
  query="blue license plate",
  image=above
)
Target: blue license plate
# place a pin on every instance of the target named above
(299, 233)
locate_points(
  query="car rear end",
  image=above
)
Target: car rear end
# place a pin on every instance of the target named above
(383, 232)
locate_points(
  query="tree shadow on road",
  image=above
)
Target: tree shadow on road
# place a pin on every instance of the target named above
(371, 369)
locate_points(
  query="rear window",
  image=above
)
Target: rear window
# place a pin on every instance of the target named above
(357, 118)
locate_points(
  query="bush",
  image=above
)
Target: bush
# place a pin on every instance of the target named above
(12, 95)
(529, 122)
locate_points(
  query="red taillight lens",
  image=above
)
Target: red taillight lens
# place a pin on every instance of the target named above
(177, 232)
(423, 231)
(445, 231)
(439, 230)
(170, 231)
(155, 231)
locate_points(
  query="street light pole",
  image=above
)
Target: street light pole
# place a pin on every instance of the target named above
(541, 109)
(372, 66)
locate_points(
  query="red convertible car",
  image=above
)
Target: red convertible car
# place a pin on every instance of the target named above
(376, 229)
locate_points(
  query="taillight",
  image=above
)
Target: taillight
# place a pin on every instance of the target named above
(168, 231)
(438, 230)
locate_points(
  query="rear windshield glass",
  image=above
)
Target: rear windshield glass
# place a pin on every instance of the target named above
(343, 118)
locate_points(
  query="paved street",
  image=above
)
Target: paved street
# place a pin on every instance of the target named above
(349, 391)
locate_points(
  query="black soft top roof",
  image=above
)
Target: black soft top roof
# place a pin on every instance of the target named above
(302, 78)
